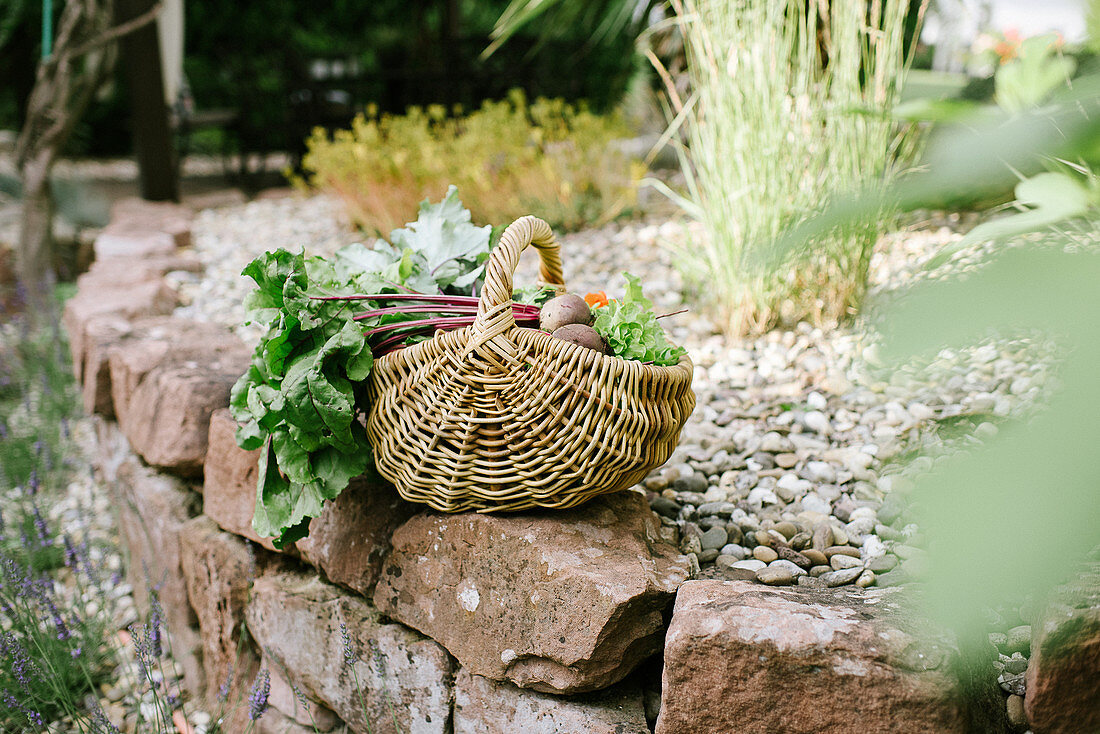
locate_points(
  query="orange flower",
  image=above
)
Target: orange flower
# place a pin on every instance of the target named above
(596, 300)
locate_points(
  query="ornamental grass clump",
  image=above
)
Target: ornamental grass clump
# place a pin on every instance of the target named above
(509, 158)
(789, 106)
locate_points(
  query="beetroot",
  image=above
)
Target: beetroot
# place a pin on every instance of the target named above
(564, 309)
(581, 335)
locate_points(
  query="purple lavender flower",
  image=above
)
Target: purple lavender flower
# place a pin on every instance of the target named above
(153, 630)
(71, 557)
(349, 656)
(99, 718)
(13, 703)
(21, 665)
(141, 650)
(40, 527)
(32, 483)
(257, 697)
(223, 689)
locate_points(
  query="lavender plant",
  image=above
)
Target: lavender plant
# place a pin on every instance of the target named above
(53, 650)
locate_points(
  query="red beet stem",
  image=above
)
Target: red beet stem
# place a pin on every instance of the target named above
(518, 310)
(455, 300)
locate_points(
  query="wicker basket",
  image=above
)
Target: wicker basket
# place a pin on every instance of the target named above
(498, 417)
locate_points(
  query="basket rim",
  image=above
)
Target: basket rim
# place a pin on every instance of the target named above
(684, 367)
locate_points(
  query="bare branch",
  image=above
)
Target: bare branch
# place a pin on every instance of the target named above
(117, 32)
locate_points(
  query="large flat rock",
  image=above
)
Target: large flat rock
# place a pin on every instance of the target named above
(746, 658)
(350, 538)
(561, 602)
(165, 385)
(384, 679)
(1063, 674)
(483, 706)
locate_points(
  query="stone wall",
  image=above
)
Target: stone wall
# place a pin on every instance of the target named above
(392, 618)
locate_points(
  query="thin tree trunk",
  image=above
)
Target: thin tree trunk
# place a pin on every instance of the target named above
(34, 262)
(64, 85)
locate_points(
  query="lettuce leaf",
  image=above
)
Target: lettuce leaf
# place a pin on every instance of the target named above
(631, 329)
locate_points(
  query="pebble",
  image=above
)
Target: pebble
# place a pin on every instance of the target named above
(695, 484)
(841, 550)
(787, 529)
(817, 422)
(793, 568)
(714, 539)
(764, 554)
(815, 557)
(1017, 716)
(839, 578)
(771, 576)
(665, 506)
(750, 565)
(717, 509)
(734, 550)
(840, 562)
(867, 578)
(790, 554)
(883, 563)
(821, 472)
(786, 460)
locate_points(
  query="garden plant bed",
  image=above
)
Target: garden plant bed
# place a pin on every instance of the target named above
(787, 464)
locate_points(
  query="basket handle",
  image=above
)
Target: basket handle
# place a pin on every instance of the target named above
(494, 309)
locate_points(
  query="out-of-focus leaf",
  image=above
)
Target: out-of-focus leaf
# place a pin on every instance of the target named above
(990, 148)
(1027, 80)
(1052, 198)
(1008, 519)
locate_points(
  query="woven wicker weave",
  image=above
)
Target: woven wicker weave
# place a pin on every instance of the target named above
(498, 417)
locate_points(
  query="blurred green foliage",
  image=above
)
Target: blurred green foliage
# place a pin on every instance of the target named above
(285, 67)
(508, 159)
(1012, 518)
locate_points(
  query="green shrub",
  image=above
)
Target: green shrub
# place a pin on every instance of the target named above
(787, 109)
(508, 158)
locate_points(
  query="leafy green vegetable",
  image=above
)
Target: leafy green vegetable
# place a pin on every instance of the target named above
(631, 330)
(534, 294)
(301, 399)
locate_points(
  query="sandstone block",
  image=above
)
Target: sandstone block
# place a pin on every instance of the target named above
(561, 602)
(385, 676)
(152, 511)
(350, 538)
(144, 228)
(218, 569)
(116, 272)
(275, 722)
(1063, 674)
(295, 705)
(229, 480)
(483, 706)
(145, 298)
(741, 657)
(166, 384)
